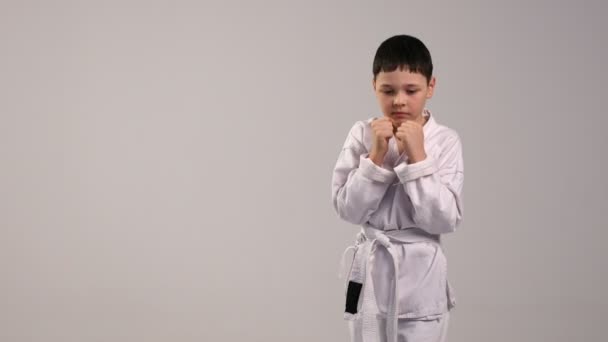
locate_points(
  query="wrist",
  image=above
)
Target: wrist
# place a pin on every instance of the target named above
(376, 158)
(416, 158)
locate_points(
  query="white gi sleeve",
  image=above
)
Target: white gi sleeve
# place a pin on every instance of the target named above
(358, 185)
(435, 188)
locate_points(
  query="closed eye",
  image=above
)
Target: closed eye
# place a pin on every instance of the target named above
(392, 92)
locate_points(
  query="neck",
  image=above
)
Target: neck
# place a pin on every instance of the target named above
(423, 119)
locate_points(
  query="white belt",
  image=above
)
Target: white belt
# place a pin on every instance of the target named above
(360, 270)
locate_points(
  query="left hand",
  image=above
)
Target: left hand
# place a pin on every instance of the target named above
(410, 139)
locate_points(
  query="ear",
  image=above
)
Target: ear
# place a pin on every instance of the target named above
(374, 84)
(431, 88)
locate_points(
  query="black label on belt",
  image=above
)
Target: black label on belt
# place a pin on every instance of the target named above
(352, 296)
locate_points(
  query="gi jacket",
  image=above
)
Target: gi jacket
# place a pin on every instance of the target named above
(424, 196)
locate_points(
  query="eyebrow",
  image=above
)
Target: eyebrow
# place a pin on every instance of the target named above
(407, 85)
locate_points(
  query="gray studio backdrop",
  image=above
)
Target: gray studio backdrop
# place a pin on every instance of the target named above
(165, 166)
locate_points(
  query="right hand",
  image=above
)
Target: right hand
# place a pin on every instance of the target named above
(382, 132)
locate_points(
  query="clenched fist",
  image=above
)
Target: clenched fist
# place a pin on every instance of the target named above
(382, 132)
(410, 139)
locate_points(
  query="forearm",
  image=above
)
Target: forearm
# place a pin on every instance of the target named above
(435, 195)
(359, 197)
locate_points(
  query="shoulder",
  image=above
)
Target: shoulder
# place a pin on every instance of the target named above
(361, 127)
(448, 135)
(359, 134)
(447, 148)
(446, 145)
(444, 136)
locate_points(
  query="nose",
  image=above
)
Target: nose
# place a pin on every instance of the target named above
(400, 99)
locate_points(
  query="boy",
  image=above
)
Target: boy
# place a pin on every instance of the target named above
(400, 177)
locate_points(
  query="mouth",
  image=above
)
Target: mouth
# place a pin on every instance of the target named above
(400, 114)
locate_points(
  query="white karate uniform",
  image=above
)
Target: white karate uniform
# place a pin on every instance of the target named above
(400, 289)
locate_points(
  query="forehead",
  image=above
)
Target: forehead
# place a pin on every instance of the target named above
(398, 78)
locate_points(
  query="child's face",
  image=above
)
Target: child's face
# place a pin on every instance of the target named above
(402, 95)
